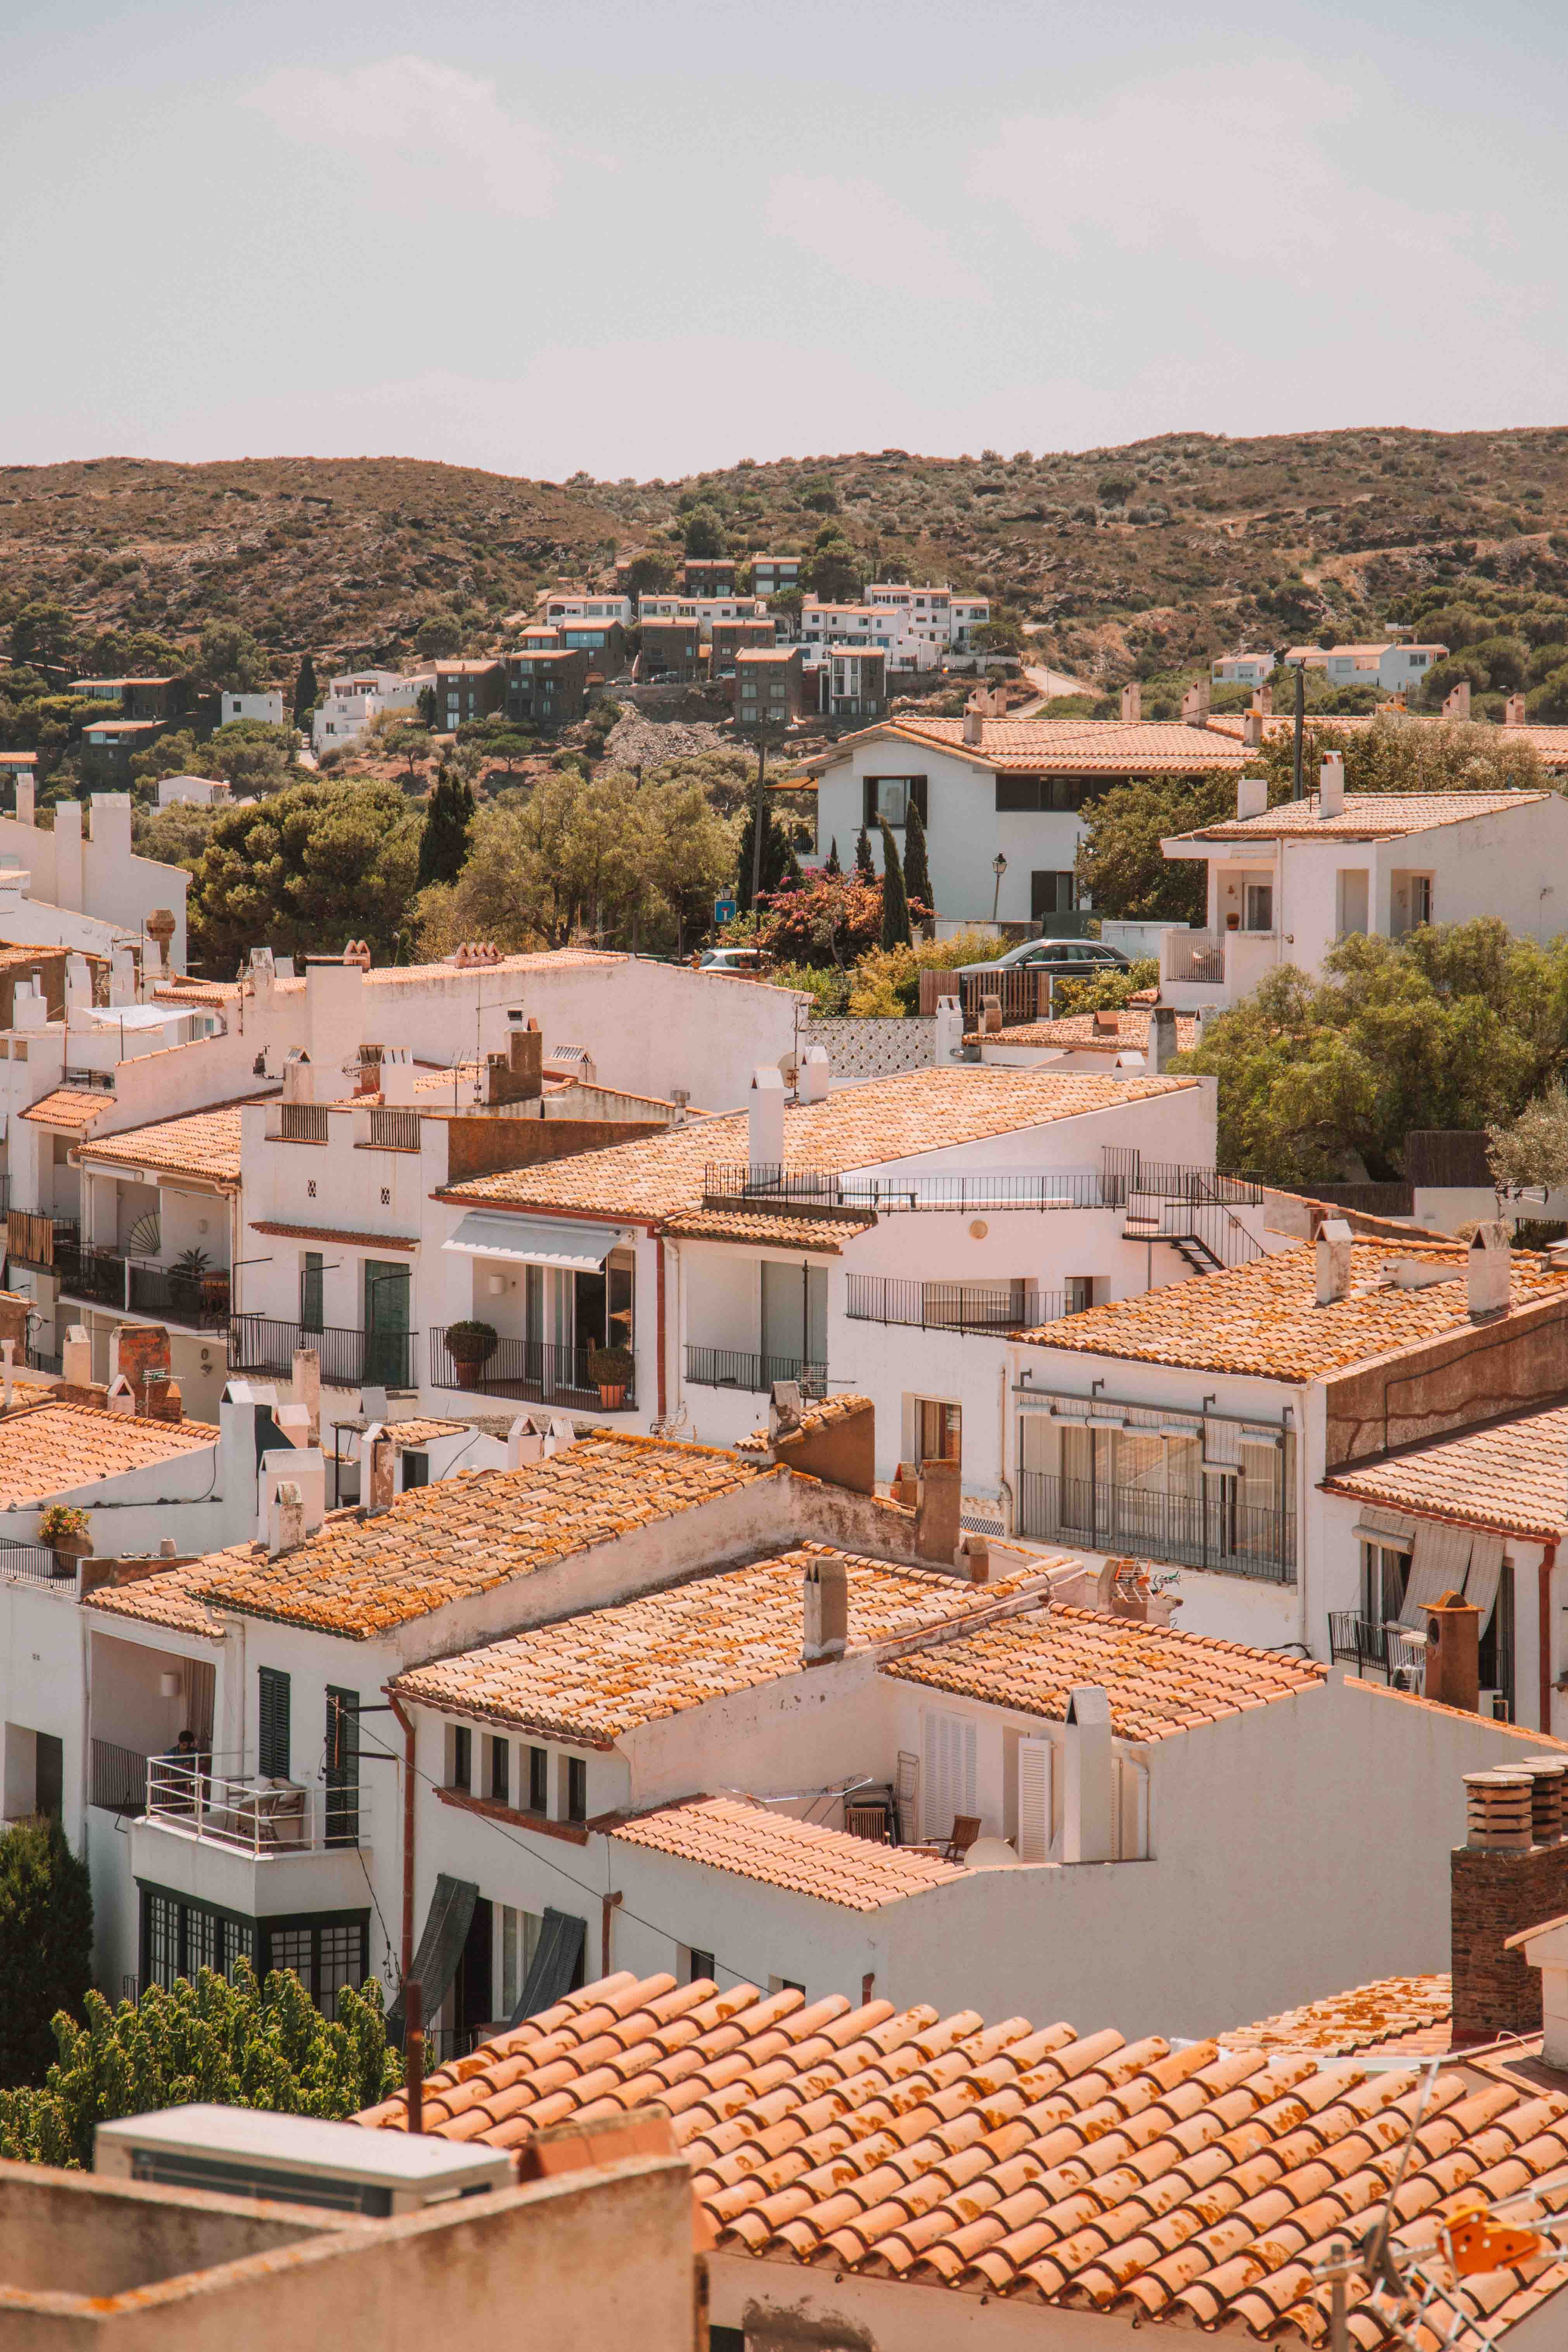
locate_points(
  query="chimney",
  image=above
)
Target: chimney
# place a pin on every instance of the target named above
(814, 1074)
(76, 1357)
(1162, 1045)
(523, 1444)
(937, 1506)
(383, 1458)
(1088, 1813)
(1251, 796)
(948, 1037)
(1513, 711)
(308, 1388)
(1510, 1874)
(991, 1017)
(1131, 704)
(1332, 1250)
(766, 1121)
(121, 1397)
(1458, 704)
(826, 1604)
(1263, 701)
(1196, 704)
(1453, 1653)
(285, 1518)
(1252, 732)
(525, 1057)
(680, 1097)
(1487, 1268)
(974, 721)
(973, 1558)
(1331, 785)
(25, 788)
(294, 1421)
(299, 1078)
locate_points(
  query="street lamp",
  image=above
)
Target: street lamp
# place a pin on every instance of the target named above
(998, 868)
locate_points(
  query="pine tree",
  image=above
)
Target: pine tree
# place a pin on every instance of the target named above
(895, 899)
(916, 872)
(45, 1943)
(865, 863)
(449, 813)
(307, 693)
(833, 866)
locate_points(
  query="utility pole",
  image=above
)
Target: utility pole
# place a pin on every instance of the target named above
(1300, 717)
(757, 820)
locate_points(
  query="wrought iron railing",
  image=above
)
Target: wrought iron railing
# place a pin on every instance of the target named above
(301, 1123)
(1126, 1171)
(1389, 1650)
(395, 1130)
(97, 1275)
(349, 1360)
(1214, 1530)
(36, 1564)
(117, 1778)
(730, 1367)
(952, 1306)
(530, 1370)
(199, 1299)
(1195, 955)
(831, 1190)
(44, 1359)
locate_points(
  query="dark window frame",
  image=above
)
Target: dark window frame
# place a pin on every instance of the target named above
(918, 791)
(576, 1788)
(274, 1709)
(462, 1759)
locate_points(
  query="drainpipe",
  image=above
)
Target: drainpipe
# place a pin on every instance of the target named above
(405, 1960)
(1543, 1632)
(1010, 1526)
(659, 1245)
(607, 1914)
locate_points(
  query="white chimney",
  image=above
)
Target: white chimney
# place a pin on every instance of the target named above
(1131, 704)
(308, 1390)
(121, 976)
(1488, 1270)
(285, 1518)
(299, 1078)
(294, 1421)
(814, 1074)
(974, 721)
(1331, 785)
(523, 1444)
(121, 1395)
(398, 1075)
(1334, 1261)
(1513, 711)
(948, 1043)
(25, 788)
(1457, 705)
(1088, 1810)
(78, 982)
(1251, 796)
(766, 1122)
(76, 1357)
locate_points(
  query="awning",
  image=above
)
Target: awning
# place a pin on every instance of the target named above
(440, 1948)
(557, 1965)
(576, 1248)
(1391, 1528)
(1486, 1571)
(1439, 1564)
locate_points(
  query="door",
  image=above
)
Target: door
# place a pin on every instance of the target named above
(342, 1804)
(1050, 893)
(795, 1322)
(387, 1353)
(1259, 906)
(48, 1798)
(1035, 1758)
(473, 1995)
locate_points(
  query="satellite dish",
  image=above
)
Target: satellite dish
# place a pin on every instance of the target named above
(146, 1237)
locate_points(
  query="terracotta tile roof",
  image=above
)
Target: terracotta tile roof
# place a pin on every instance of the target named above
(1367, 816)
(361, 1578)
(420, 975)
(737, 1834)
(887, 1118)
(174, 1597)
(1512, 1476)
(816, 1416)
(1065, 746)
(594, 1677)
(1410, 2012)
(198, 1143)
(1159, 1681)
(1263, 1318)
(826, 1236)
(178, 988)
(74, 1107)
(1044, 2167)
(56, 1447)
(1077, 1031)
(347, 1236)
(421, 1431)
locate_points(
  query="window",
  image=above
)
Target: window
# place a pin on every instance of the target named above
(272, 1723)
(1385, 1568)
(699, 1965)
(415, 1469)
(1079, 1293)
(888, 798)
(178, 1938)
(1051, 893)
(500, 1772)
(1259, 903)
(461, 1772)
(341, 1774)
(948, 1777)
(311, 1289)
(520, 1934)
(939, 1430)
(1038, 796)
(325, 1955)
(576, 1788)
(538, 1780)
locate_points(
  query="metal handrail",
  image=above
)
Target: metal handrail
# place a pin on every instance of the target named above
(736, 1368)
(349, 1360)
(966, 1306)
(530, 1370)
(250, 1813)
(1209, 1530)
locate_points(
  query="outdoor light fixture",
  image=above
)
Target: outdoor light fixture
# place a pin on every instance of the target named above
(998, 868)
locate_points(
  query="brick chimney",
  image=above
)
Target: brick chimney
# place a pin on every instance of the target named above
(1510, 1874)
(826, 1611)
(1453, 1653)
(382, 1458)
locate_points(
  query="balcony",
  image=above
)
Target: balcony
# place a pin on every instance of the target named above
(350, 1359)
(849, 1194)
(215, 1829)
(1390, 1653)
(953, 1305)
(33, 1238)
(1197, 956)
(528, 1370)
(1213, 1530)
(728, 1368)
(299, 1123)
(104, 1277)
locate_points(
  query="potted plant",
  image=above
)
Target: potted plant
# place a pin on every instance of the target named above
(471, 1345)
(610, 1370)
(64, 1528)
(187, 1276)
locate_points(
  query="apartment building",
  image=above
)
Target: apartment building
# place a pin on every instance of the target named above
(603, 642)
(266, 708)
(769, 688)
(730, 637)
(570, 611)
(772, 574)
(706, 612)
(708, 575)
(671, 648)
(1388, 667)
(852, 683)
(1002, 797)
(822, 625)
(467, 691)
(1286, 884)
(136, 698)
(547, 686)
(355, 698)
(933, 617)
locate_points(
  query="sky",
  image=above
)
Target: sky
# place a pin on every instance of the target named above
(638, 241)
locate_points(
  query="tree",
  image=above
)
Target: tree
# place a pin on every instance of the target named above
(830, 920)
(865, 863)
(45, 1943)
(833, 866)
(1119, 864)
(1389, 757)
(236, 2045)
(818, 494)
(43, 632)
(1001, 636)
(833, 569)
(229, 658)
(917, 870)
(1115, 489)
(439, 633)
(247, 754)
(705, 535)
(894, 902)
(648, 575)
(1533, 1148)
(778, 858)
(316, 864)
(307, 692)
(399, 739)
(449, 815)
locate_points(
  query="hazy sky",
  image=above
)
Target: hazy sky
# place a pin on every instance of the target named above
(640, 239)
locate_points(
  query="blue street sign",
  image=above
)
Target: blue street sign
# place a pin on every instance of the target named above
(724, 910)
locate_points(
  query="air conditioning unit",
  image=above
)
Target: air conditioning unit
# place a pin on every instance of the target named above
(297, 2160)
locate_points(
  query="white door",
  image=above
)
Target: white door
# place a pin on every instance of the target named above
(948, 1779)
(1035, 1761)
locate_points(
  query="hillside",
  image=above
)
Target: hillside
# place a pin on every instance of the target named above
(1144, 558)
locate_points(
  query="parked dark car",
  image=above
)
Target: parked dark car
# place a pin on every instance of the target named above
(1074, 958)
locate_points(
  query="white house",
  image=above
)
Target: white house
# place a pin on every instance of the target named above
(1194, 1427)
(1285, 884)
(193, 792)
(268, 708)
(936, 617)
(356, 698)
(559, 609)
(703, 610)
(62, 876)
(1241, 670)
(1390, 666)
(1000, 798)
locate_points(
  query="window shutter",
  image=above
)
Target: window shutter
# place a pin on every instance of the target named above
(272, 1723)
(936, 1807)
(1035, 1761)
(918, 793)
(870, 804)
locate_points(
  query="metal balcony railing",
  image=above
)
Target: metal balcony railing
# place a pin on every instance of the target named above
(1213, 1530)
(530, 1369)
(37, 1564)
(1012, 1306)
(1390, 1652)
(350, 1359)
(1195, 955)
(199, 1299)
(249, 1812)
(730, 1367)
(395, 1130)
(837, 1192)
(117, 1778)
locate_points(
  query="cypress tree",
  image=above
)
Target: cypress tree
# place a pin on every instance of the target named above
(865, 865)
(916, 872)
(833, 866)
(895, 900)
(307, 693)
(449, 813)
